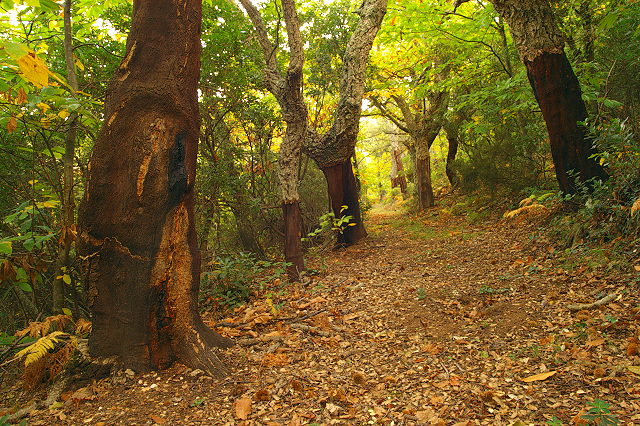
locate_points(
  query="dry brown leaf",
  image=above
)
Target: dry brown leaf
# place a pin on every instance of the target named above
(539, 377)
(242, 408)
(262, 395)
(596, 342)
(159, 420)
(12, 125)
(313, 301)
(275, 360)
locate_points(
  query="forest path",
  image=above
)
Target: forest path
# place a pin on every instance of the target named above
(430, 320)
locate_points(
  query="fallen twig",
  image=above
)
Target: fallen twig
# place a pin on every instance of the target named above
(581, 306)
(315, 330)
(258, 340)
(304, 317)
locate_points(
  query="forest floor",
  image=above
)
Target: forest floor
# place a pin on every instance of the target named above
(430, 320)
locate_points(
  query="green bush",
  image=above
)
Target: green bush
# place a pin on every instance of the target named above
(236, 278)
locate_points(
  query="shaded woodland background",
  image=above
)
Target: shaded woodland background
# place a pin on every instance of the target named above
(456, 71)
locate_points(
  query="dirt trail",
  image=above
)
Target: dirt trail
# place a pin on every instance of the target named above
(435, 323)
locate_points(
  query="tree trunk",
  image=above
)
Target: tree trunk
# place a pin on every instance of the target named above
(68, 196)
(293, 242)
(341, 184)
(424, 188)
(287, 89)
(397, 169)
(137, 219)
(557, 90)
(452, 151)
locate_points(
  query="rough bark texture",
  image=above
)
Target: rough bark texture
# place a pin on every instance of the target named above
(540, 44)
(333, 150)
(136, 219)
(287, 89)
(424, 187)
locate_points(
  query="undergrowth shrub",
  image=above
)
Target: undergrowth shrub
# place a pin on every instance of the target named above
(608, 211)
(235, 278)
(52, 344)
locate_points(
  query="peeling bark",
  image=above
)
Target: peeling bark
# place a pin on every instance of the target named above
(332, 151)
(397, 169)
(136, 220)
(540, 44)
(287, 89)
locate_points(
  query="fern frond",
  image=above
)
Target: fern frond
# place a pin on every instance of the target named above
(83, 326)
(41, 347)
(40, 329)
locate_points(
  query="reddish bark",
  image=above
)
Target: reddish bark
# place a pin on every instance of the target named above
(292, 242)
(398, 179)
(136, 220)
(342, 188)
(557, 91)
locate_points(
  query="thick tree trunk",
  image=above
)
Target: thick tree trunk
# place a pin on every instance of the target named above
(557, 91)
(136, 219)
(424, 188)
(540, 44)
(293, 242)
(342, 188)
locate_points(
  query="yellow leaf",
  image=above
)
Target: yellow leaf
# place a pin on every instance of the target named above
(538, 377)
(243, 408)
(79, 64)
(63, 114)
(635, 369)
(43, 107)
(34, 69)
(12, 125)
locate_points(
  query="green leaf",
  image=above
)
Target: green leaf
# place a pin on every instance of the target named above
(66, 311)
(28, 244)
(15, 50)
(24, 286)
(6, 248)
(66, 278)
(33, 3)
(21, 275)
